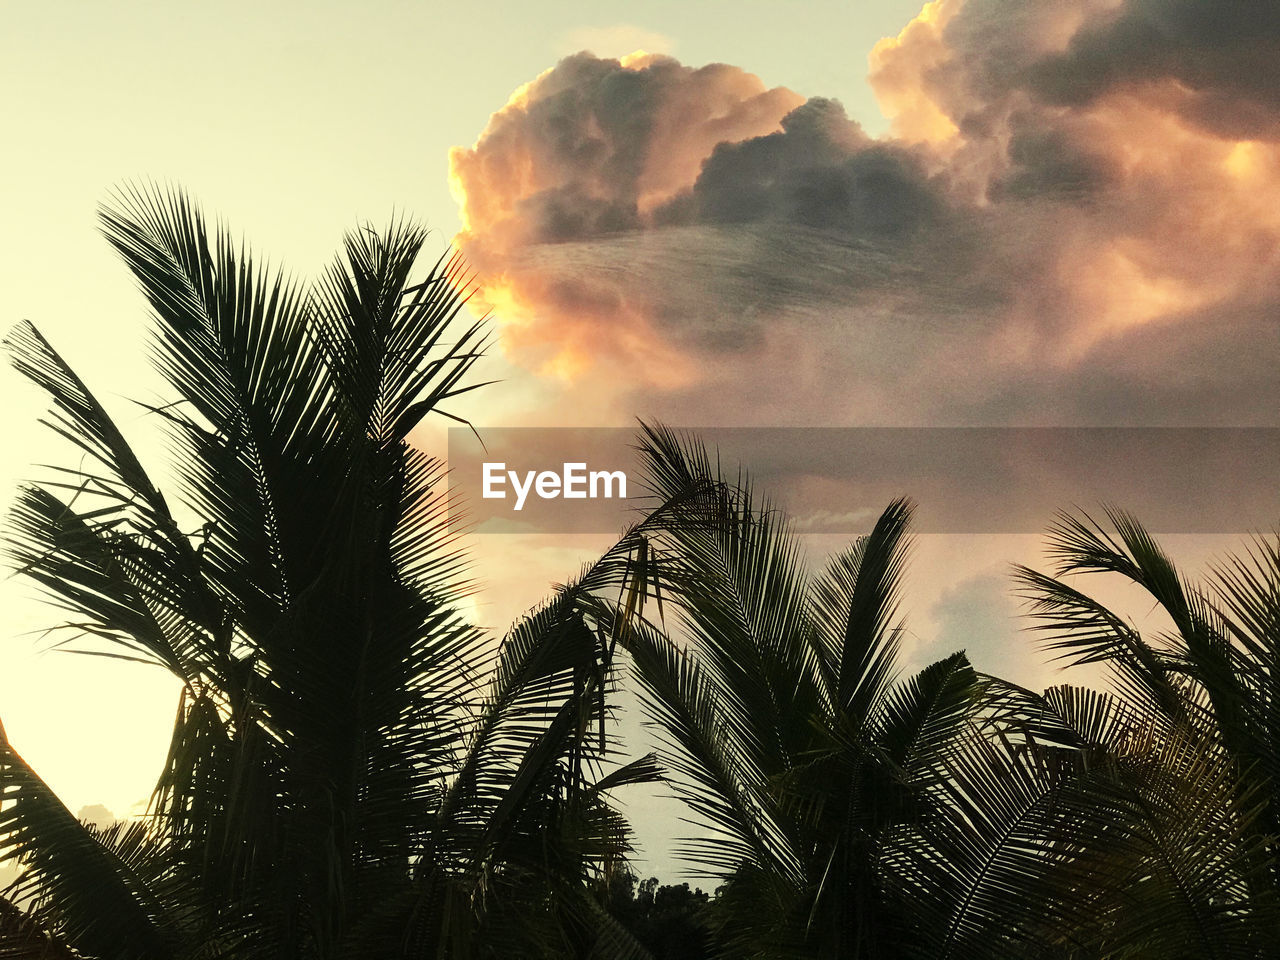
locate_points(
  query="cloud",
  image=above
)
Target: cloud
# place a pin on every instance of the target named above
(97, 815)
(617, 40)
(1215, 63)
(980, 616)
(1074, 220)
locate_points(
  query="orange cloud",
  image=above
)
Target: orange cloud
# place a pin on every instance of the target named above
(590, 148)
(1062, 226)
(900, 68)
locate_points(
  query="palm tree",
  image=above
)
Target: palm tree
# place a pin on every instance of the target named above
(1201, 871)
(949, 815)
(802, 759)
(354, 770)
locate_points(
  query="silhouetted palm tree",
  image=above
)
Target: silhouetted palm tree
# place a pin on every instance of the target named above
(1190, 864)
(788, 737)
(948, 815)
(354, 771)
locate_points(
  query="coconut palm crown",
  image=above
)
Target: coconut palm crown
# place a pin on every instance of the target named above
(354, 770)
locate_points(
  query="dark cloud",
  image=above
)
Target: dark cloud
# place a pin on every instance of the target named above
(1223, 55)
(1048, 162)
(818, 171)
(570, 213)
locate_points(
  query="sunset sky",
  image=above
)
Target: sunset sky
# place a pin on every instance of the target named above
(810, 213)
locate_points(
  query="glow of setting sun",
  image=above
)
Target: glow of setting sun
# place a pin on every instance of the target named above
(1245, 160)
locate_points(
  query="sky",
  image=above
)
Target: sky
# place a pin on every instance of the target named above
(802, 213)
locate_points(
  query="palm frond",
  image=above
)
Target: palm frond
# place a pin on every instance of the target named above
(97, 904)
(856, 603)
